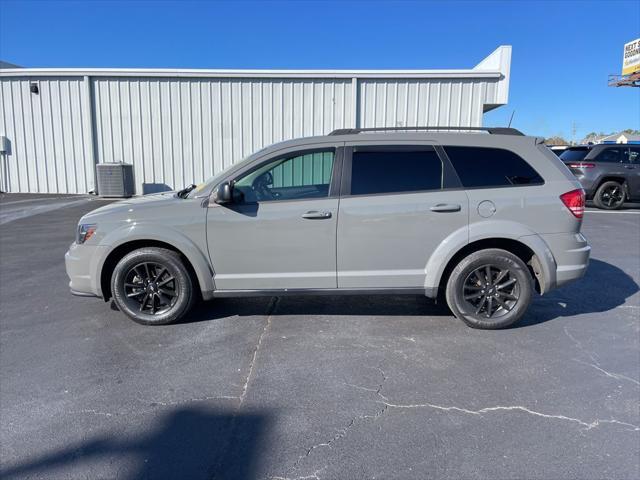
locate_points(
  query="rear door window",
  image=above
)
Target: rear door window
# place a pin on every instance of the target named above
(394, 171)
(610, 155)
(479, 167)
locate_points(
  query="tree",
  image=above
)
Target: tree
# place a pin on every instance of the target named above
(557, 140)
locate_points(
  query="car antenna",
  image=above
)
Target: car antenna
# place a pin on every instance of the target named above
(511, 119)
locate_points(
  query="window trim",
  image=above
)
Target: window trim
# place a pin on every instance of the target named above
(334, 183)
(484, 187)
(450, 179)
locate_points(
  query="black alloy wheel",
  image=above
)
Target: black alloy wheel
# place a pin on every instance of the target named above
(610, 195)
(491, 291)
(151, 288)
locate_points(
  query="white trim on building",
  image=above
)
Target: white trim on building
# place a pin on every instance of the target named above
(181, 126)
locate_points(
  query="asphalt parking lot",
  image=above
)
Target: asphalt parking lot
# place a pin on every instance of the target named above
(314, 388)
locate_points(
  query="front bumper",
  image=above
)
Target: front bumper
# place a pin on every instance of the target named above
(81, 265)
(571, 252)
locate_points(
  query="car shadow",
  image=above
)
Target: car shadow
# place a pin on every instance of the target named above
(361, 305)
(603, 288)
(191, 442)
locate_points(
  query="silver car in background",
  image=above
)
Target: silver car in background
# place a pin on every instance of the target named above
(481, 218)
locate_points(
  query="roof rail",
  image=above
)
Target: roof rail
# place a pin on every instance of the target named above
(490, 130)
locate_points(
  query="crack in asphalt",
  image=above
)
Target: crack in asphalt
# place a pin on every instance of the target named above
(593, 356)
(311, 476)
(617, 376)
(93, 412)
(587, 425)
(341, 432)
(595, 359)
(217, 467)
(271, 309)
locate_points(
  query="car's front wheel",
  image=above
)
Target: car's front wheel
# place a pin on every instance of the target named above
(610, 195)
(489, 289)
(152, 286)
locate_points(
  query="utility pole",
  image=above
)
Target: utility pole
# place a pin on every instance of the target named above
(574, 127)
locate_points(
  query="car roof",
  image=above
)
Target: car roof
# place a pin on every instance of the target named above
(437, 136)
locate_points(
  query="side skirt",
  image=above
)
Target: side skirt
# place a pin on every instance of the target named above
(431, 293)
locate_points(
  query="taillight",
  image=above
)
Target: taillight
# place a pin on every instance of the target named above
(574, 201)
(581, 165)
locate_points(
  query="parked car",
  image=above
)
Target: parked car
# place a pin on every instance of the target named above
(575, 153)
(609, 173)
(478, 219)
(558, 149)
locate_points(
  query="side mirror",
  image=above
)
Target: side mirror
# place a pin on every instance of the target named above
(223, 194)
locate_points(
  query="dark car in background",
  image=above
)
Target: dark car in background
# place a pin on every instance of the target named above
(609, 173)
(558, 149)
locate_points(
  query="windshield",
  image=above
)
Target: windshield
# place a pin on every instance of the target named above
(574, 154)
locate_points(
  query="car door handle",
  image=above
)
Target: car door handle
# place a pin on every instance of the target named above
(446, 207)
(315, 215)
(630, 167)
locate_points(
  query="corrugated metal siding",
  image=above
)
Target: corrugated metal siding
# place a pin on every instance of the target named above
(400, 103)
(179, 131)
(49, 136)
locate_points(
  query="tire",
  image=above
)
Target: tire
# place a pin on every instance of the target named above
(610, 195)
(466, 290)
(157, 277)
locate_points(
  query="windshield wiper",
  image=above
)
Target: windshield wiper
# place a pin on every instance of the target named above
(185, 191)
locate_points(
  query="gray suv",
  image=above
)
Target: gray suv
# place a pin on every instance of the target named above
(479, 218)
(609, 174)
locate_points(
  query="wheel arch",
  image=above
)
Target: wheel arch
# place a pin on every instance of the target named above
(192, 257)
(612, 178)
(514, 238)
(516, 247)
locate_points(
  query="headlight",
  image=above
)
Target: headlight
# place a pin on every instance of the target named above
(85, 232)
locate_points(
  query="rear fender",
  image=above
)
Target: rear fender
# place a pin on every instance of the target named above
(489, 230)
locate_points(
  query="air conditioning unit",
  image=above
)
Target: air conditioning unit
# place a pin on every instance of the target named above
(115, 180)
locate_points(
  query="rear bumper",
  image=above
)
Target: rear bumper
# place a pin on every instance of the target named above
(571, 252)
(80, 294)
(81, 265)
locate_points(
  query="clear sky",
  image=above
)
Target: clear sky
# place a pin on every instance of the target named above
(562, 51)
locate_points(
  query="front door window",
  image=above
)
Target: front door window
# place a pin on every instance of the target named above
(296, 177)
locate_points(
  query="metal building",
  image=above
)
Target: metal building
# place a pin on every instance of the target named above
(181, 126)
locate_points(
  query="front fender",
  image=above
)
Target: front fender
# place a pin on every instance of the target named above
(489, 230)
(159, 233)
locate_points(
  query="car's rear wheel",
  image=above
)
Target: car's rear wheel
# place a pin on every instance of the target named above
(489, 289)
(152, 286)
(610, 195)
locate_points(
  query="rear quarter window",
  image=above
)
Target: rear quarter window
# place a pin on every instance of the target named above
(480, 167)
